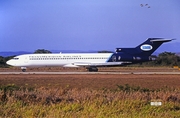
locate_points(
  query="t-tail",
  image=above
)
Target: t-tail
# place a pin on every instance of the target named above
(146, 48)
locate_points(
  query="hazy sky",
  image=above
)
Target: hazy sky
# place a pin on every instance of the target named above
(27, 25)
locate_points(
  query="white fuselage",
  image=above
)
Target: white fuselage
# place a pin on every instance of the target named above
(65, 60)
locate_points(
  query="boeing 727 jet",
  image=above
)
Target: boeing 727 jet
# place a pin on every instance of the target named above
(121, 56)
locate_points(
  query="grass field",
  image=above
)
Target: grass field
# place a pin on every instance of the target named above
(74, 96)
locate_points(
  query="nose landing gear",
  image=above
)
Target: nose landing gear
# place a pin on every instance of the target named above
(23, 69)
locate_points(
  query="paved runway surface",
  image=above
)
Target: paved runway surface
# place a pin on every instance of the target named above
(66, 73)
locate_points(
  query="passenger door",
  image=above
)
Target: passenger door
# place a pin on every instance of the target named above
(26, 59)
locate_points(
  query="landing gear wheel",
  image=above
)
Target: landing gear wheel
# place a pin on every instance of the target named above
(93, 69)
(23, 69)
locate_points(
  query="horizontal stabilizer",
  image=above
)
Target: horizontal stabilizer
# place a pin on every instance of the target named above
(160, 40)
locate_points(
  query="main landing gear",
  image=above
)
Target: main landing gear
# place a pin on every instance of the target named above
(92, 69)
(23, 69)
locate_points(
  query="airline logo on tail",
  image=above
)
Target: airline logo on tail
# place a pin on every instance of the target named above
(146, 47)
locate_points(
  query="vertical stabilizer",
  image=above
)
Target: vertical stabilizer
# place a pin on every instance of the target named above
(146, 48)
(150, 45)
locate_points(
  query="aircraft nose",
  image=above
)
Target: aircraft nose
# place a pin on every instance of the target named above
(10, 62)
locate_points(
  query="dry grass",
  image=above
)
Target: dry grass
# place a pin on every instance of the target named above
(66, 102)
(73, 96)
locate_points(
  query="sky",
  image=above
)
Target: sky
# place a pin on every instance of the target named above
(87, 25)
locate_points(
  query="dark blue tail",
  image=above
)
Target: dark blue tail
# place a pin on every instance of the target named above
(146, 48)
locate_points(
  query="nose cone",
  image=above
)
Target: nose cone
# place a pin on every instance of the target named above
(10, 62)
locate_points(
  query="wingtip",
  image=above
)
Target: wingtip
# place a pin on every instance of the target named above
(173, 39)
(170, 39)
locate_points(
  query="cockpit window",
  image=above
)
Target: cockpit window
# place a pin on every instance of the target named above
(15, 58)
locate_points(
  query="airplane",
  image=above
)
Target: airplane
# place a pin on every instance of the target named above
(91, 61)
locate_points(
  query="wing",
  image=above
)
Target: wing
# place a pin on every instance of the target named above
(87, 64)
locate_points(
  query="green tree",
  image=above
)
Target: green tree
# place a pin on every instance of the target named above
(2, 61)
(168, 59)
(163, 59)
(104, 51)
(40, 51)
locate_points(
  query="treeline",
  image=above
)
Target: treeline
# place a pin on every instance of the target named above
(3, 61)
(163, 59)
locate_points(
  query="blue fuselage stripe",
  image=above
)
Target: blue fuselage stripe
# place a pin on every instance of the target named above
(109, 57)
